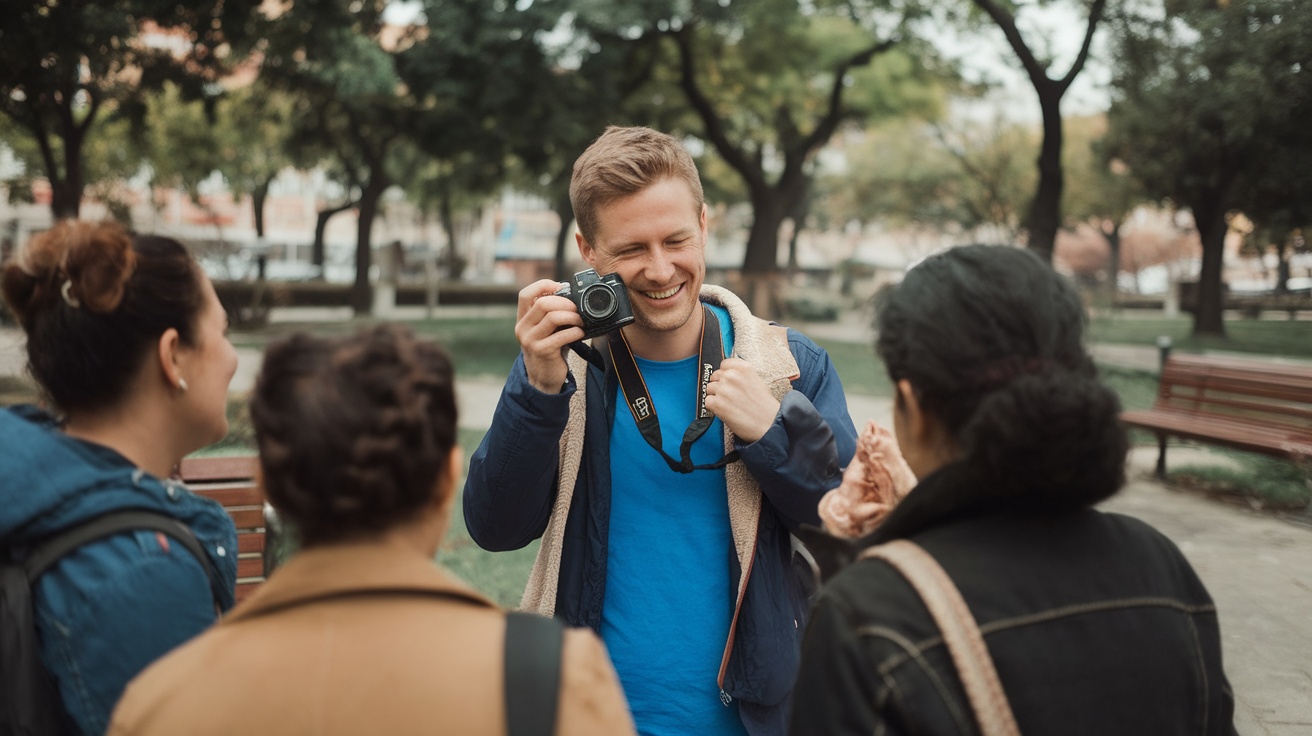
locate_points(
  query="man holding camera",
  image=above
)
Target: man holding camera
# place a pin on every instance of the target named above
(665, 467)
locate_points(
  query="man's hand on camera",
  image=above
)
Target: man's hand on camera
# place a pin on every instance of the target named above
(741, 399)
(545, 325)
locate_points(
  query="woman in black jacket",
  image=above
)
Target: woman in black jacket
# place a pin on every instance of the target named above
(1095, 621)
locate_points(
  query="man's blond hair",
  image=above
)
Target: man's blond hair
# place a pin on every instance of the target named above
(624, 161)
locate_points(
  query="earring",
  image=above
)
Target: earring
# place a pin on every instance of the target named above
(182, 385)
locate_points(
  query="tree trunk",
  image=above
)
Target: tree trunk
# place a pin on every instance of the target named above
(565, 211)
(258, 197)
(66, 193)
(1209, 218)
(445, 214)
(762, 254)
(362, 292)
(1282, 264)
(317, 255)
(792, 245)
(65, 200)
(1045, 211)
(1111, 231)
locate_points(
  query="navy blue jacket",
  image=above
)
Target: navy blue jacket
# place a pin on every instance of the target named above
(113, 606)
(512, 482)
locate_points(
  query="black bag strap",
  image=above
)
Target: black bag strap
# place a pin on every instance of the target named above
(533, 647)
(114, 522)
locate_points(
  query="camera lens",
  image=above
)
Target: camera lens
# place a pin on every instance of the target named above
(598, 302)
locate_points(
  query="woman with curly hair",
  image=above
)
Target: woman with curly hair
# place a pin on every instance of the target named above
(360, 632)
(1095, 622)
(125, 337)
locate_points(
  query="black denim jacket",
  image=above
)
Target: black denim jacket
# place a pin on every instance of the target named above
(1095, 621)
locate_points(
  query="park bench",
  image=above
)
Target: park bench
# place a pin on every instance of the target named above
(231, 482)
(1250, 405)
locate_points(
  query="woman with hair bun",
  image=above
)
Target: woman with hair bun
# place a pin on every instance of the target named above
(125, 337)
(1095, 621)
(360, 632)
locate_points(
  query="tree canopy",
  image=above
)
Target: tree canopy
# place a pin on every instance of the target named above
(62, 65)
(1207, 97)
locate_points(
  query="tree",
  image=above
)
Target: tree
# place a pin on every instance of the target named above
(254, 126)
(1045, 209)
(180, 142)
(352, 103)
(991, 156)
(501, 83)
(964, 178)
(1203, 95)
(1104, 195)
(64, 64)
(784, 76)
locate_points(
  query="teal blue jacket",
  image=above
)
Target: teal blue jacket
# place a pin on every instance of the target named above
(114, 606)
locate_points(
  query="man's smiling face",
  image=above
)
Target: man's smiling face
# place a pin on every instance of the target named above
(655, 240)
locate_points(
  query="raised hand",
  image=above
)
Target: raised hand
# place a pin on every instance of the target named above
(545, 325)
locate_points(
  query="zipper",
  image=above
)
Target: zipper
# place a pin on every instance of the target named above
(725, 697)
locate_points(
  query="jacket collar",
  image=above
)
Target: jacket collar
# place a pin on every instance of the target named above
(351, 569)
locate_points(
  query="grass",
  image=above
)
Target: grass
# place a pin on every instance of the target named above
(861, 371)
(1267, 337)
(1265, 481)
(500, 575)
(478, 346)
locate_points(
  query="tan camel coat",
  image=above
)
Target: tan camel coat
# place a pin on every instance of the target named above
(344, 640)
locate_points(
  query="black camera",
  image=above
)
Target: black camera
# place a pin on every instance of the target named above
(602, 301)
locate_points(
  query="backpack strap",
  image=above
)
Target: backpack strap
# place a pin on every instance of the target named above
(532, 672)
(114, 522)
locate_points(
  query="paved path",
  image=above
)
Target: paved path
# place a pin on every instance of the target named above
(1259, 569)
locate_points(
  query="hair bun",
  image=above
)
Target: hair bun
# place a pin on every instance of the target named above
(98, 260)
(79, 264)
(1056, 434)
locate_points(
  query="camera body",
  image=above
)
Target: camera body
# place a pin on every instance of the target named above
(602, 301)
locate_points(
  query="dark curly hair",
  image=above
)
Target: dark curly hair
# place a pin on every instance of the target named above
(991, 339)
(93, 300)
(353, 432)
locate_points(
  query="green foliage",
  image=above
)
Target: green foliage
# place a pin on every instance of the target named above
(62, 65)
(181, 138)
(1209, 109)
(937, 176)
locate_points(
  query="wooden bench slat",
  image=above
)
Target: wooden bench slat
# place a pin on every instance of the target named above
(250, 543)
(250, 567)
(245, 589)
(238, 467)
(247, 517)
(232, 494)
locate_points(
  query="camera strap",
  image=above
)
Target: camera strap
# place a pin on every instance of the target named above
(710, 355)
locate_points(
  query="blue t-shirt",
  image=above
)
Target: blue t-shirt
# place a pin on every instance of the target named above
(669, 599)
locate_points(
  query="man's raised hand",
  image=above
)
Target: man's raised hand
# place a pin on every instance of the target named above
(545, 325)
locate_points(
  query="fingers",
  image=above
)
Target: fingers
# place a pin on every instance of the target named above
(529, 295)
(544, 319)
(738, 395)
(545, 325)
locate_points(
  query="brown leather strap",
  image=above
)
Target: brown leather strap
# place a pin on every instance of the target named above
(960, 632)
